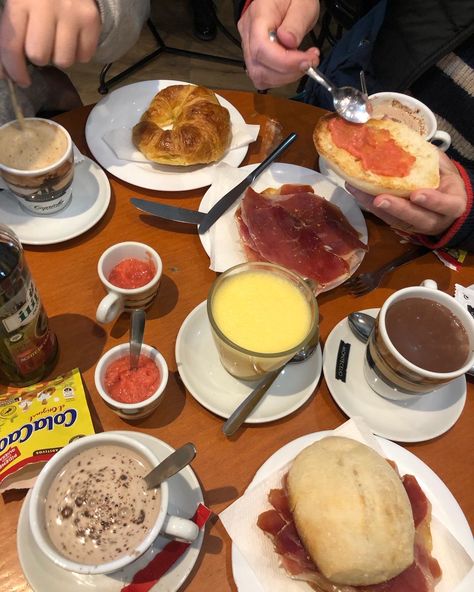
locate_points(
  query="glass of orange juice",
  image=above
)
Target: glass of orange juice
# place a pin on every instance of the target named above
(261, 314)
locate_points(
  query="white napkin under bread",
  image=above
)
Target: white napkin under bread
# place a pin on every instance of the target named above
(119, 140)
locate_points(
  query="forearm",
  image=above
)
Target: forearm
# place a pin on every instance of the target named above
(122, 22)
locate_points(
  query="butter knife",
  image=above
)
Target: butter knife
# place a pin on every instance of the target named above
(229, 198)
(168, 212)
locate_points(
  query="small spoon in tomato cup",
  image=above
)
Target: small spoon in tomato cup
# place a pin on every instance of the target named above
(137, 328)
(349, 102)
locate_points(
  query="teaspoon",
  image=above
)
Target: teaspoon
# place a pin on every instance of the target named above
(137, 328)
(349, 102)
(238, 417)
(171, 465)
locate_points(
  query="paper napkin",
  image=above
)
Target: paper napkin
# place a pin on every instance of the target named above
(226, 249)
(147, 577)
(120, 141)
(240, 520)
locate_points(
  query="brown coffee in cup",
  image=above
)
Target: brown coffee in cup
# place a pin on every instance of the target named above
(37, 164)
(98, 507)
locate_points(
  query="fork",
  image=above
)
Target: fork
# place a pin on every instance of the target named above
(363, 283)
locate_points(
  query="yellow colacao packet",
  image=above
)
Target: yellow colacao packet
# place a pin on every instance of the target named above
(37, 421)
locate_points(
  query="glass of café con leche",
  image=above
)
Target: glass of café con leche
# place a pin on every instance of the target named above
(261, 315)
(37, 164)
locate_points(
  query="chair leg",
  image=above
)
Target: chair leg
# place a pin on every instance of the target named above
(104, 85)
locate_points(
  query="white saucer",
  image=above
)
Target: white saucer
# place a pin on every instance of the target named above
(444, 505)
(90, 200)
(426, 417)
(325, 170)
(185, 495)
(207, 381)
(123, 108)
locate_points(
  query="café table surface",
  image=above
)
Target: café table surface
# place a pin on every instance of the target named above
(66, 275)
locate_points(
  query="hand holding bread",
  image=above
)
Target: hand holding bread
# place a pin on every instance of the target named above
(426, 211)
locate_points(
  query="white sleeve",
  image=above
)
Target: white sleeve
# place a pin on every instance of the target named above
(122, 22)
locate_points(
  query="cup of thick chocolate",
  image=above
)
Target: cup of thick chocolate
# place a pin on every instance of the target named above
(90, 510)
(411, 112)
(132, 393)
(131, 274)
(422, 339)
(37, 164)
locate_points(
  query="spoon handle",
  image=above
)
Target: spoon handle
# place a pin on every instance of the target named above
(137, 328)
(315, 74)
(171, 465)
(249, 403)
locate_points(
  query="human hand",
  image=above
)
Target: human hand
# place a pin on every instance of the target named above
(427, 211)
(271, 64)
(58, 32)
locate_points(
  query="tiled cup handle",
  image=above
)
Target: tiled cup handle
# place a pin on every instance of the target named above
(109, 308)
(180, 528)
(429, 284)
(442, 140)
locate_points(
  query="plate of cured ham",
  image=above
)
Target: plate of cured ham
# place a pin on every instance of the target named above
(453, 545)
(291, 216)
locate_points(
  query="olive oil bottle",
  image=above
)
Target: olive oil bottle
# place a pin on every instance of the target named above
(28, 347)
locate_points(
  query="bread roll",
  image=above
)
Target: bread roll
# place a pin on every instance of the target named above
(201, 131)
(351, 511)
(424, 172)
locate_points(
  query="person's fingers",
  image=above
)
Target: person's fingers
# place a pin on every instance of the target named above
(88, 41)
(13, 28)
(40, 37)
(300, 17)
(448, 205)
(65, 44)
(410, 216)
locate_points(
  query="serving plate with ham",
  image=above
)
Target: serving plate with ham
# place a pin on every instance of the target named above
(292, 216)
(446, 514)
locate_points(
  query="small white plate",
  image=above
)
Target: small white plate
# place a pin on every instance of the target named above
(276, 175)
(90, 200)
(42, 574)
(422, 418)
(207, 381)
(329, 173)
(444, 505)
(122, 109)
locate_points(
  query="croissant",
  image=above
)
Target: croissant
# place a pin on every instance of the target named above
(201, 131)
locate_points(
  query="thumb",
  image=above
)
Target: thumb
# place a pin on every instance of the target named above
(300, 17)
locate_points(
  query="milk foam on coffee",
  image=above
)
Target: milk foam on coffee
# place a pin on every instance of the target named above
(98, 507)
(39, 145)
(393, 109)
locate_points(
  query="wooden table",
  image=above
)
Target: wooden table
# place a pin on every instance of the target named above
(66, 276)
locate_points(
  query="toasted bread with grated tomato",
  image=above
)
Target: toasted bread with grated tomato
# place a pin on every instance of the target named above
(424, 172)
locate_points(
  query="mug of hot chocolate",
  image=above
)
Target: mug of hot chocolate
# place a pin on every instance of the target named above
(91, 511)
(413, 113)
(37, 164)
(131, 274)
(422, 339)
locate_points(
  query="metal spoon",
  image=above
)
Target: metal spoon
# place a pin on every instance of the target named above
(15, 104)
(245, 408)
(361, 325)
(137, 328)
(172, 464)
(349, 102)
